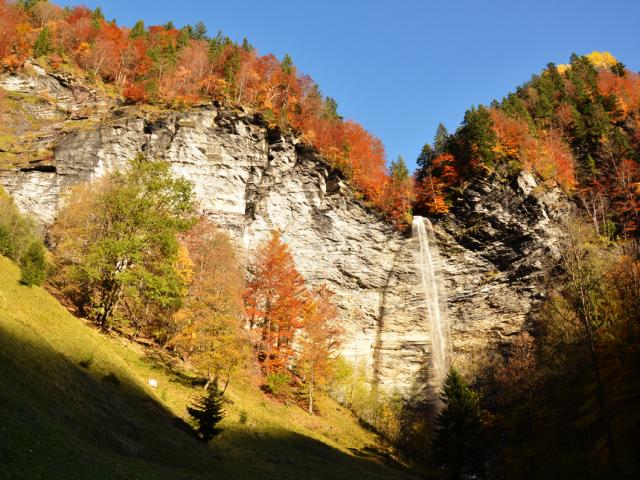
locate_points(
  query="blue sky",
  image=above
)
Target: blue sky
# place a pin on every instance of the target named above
(400, 67)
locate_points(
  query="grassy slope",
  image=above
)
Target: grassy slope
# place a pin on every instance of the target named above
(75, 404)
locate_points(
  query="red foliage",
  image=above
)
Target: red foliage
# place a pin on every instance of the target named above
(555, 160)
(548, 155)
(165, 66)
(76, 33)
(441, 175)
(274, 302)
(430, 195)
(135, 92)
(626, 89)
(16, 35)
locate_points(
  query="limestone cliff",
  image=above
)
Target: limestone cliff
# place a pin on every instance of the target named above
(494, 248)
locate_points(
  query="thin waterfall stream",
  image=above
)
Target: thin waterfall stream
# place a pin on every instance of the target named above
(434, 304)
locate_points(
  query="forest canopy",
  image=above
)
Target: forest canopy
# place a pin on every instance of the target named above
(181, 67)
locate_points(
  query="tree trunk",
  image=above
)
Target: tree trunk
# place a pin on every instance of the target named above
(311, 395)
(109, 304)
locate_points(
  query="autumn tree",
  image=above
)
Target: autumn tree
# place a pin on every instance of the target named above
(581, 303)
(319, 340)
(116, 239)
(399, 194)
(274, 303)
(208, 327)
(15, 41)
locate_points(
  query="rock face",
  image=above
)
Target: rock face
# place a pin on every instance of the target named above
(250, 180)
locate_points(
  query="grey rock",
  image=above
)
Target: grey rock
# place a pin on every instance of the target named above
(494, 247)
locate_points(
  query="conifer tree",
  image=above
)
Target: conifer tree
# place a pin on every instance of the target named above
(138, 30)
(42, 45)
(287, 64)
(423, 161)
(399, 170)
(478, 137)
(33, 264)
(458, 428)
(440, 139)
(331, 109)
(246, 46)
(207, 412)
(199, 31)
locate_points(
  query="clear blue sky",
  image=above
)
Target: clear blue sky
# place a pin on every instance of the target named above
(401, 66)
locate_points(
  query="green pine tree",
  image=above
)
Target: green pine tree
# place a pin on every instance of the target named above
(217, 45)
(477, 135)
(287, 63)
(399, 170)
(330, 110)
(33, 264)
(458, 428)
(199, 32)
(138, 30)
(424, 161)
(246, 46)
(207, 412)
(440, 140)
(619, 69)
(42, 45)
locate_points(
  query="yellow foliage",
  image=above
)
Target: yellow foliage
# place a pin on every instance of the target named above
(602, 59)
(597, 59)
(184, 266)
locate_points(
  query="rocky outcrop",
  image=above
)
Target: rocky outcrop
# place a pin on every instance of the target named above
(497, 246)
(251, 179)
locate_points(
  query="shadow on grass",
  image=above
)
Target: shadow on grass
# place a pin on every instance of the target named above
(59, 421)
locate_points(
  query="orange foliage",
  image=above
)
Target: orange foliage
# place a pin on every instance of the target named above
(274, 303)
(208, 330)
(398, 198)
(430, 194)
(320, 339)
(549, 156)
(167, 66)
(514, 139)
(555, 160)
(366, 158)
(565, 116)
(16, 35)
(76, 31)
(626, 89)
(441, 175)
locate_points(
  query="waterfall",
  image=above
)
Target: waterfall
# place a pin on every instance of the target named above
(434, 304)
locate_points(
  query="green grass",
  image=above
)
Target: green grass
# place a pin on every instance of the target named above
(74, 404)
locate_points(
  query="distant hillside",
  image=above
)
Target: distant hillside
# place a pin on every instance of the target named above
(75, 405)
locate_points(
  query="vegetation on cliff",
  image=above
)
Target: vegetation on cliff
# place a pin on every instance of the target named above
(576, 126)
(183, 67)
